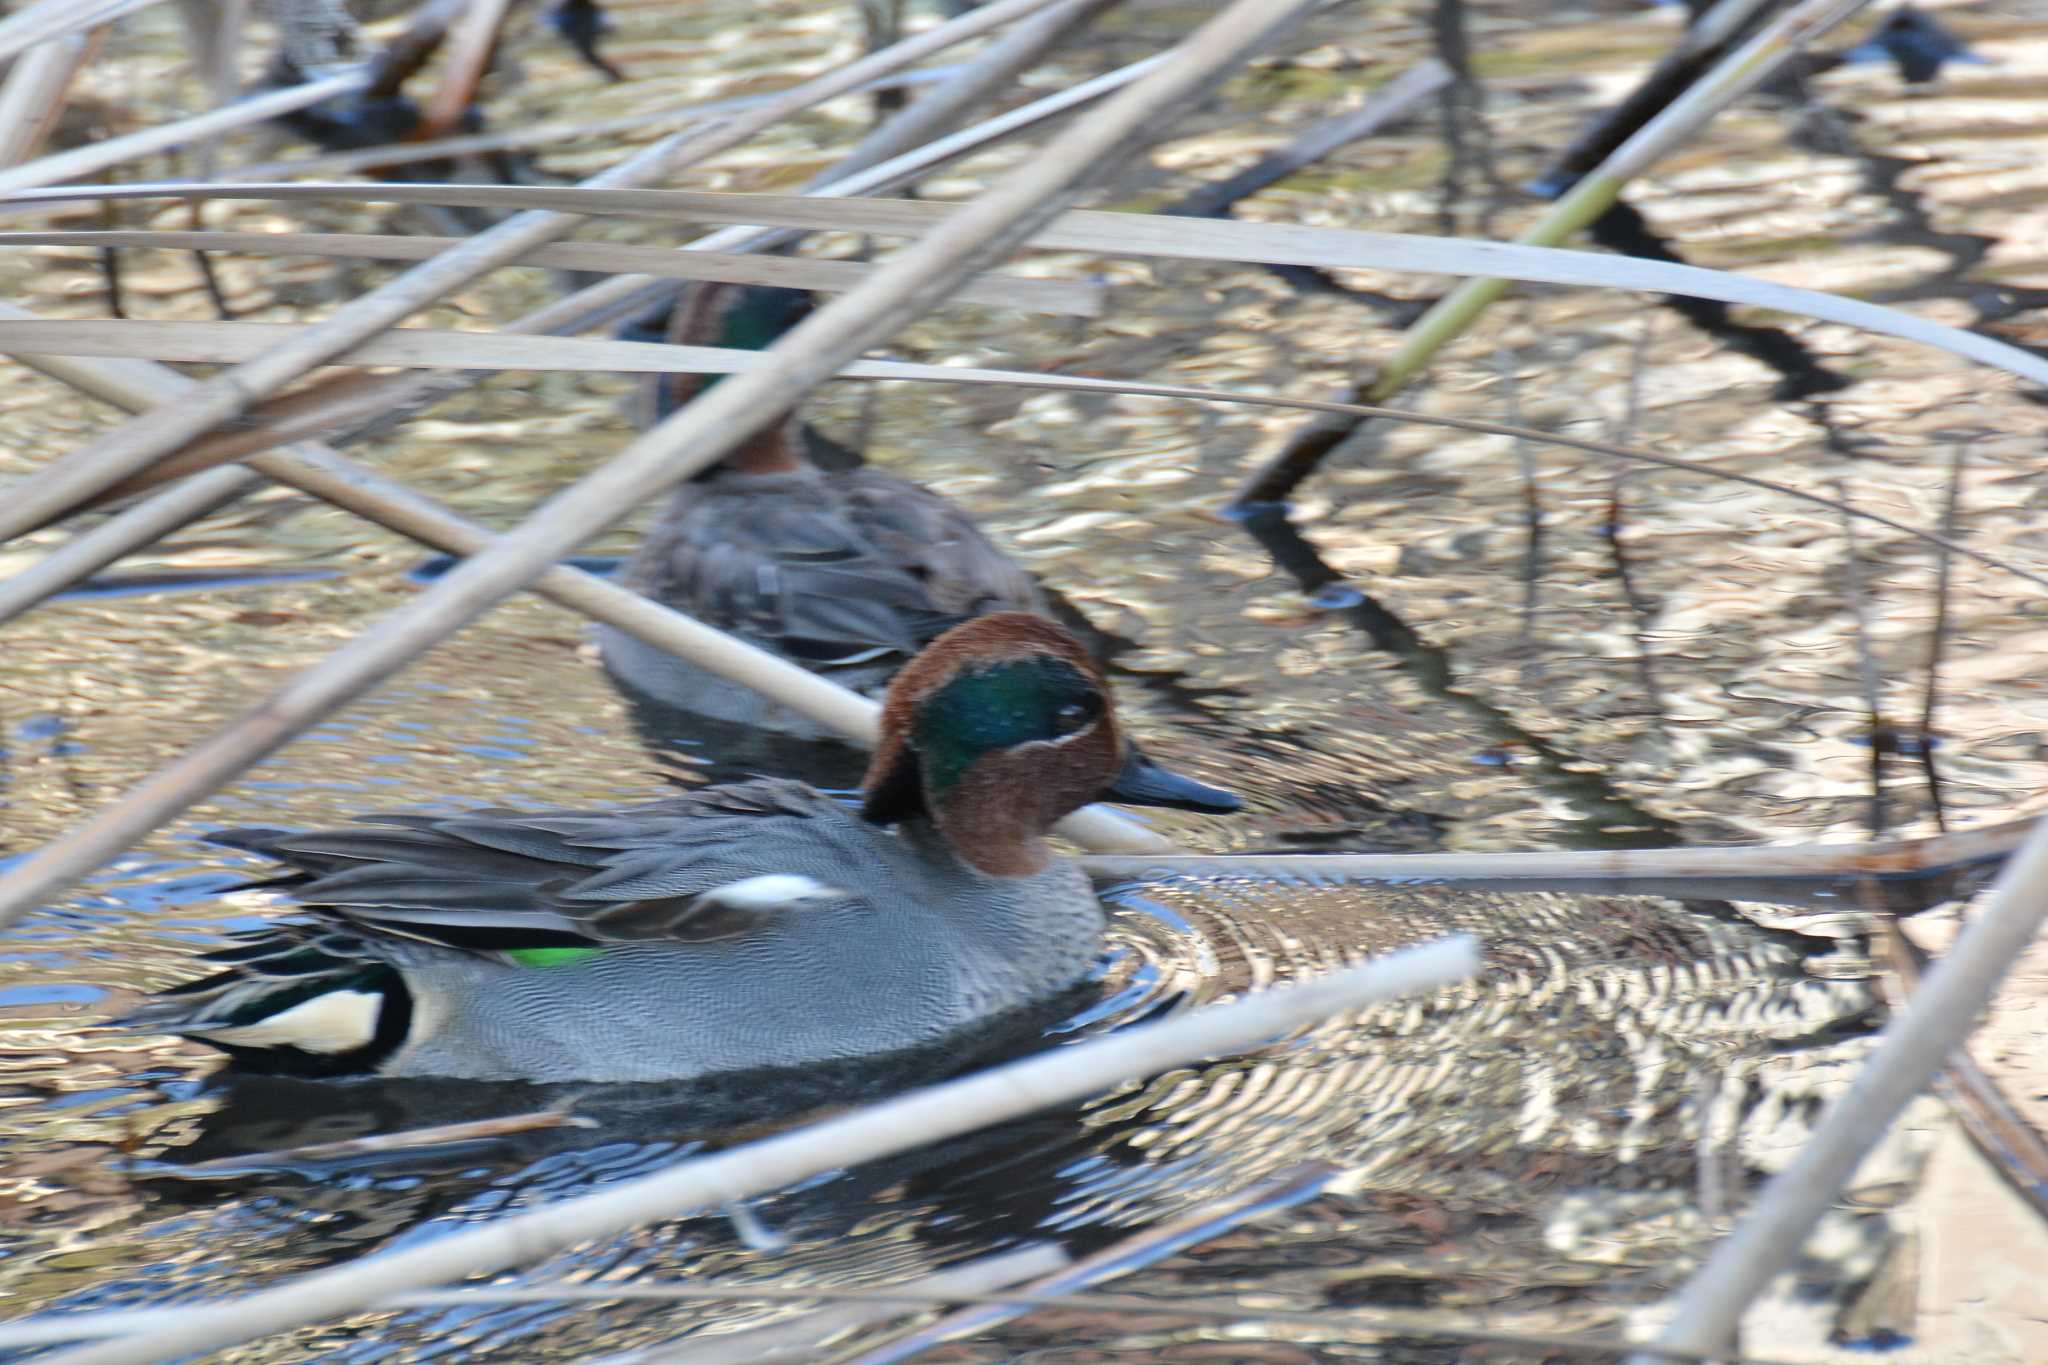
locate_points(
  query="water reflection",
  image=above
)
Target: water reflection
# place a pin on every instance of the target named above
(1382, 666)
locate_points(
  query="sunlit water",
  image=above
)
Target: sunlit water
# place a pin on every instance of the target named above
(1382, 673)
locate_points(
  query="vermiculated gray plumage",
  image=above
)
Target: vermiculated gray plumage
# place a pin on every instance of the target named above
(901, 944)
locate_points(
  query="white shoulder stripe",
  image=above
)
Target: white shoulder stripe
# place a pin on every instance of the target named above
(339, 1021)
(771, 891)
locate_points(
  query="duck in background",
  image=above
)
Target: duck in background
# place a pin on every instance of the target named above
(847, 571)
(753, 925)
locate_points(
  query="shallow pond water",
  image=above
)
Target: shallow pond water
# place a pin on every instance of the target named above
(1389, 666)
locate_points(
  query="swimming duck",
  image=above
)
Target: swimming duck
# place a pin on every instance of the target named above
(750, 925)
(848, 572)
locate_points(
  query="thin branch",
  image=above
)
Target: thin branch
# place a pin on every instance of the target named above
(947, 1110)
(1866, 671)
(1936, 1020)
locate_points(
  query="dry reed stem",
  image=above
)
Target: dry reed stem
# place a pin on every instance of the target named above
(315, 412)
(48, 19)
(349, 163)
(1347, 1324)
(326, 475)
(37, 89)
(1080, 298)
(130, 448)
(472, 39)
(1138, 234)
(696, 436)
(80, 162)
(1940, 1015)
(1891, 858)
(946, 1110)
(993, 70)
(121, 535)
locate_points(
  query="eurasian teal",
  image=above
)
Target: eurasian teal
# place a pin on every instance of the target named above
(756, 924)
(846, 572)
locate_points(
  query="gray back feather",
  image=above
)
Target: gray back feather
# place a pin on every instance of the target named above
(825, 568)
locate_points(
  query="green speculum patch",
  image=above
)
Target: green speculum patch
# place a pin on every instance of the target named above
(550, 957)
(997, 706)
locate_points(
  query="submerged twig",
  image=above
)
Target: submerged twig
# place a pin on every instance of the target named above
(1389, 102)
(1937, 638)
(381, 1144)
(1866, 670)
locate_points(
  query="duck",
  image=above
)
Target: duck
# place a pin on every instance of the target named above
(846, 571)
(759, 924)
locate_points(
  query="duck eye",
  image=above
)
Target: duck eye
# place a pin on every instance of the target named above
(1071, 716)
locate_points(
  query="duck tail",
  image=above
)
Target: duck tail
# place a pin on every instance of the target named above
(287, 1004)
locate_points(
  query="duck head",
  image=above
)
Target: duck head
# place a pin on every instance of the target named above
(739, 317)
(1001, 727)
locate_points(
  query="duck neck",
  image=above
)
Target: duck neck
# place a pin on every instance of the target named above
(979, 850)
(771, 450)
(994, 824)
